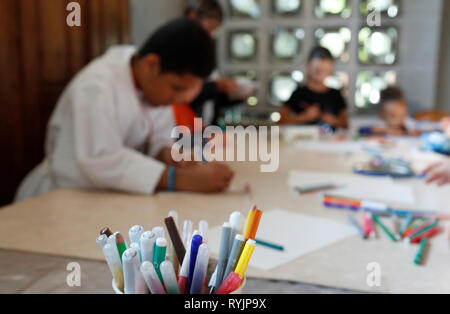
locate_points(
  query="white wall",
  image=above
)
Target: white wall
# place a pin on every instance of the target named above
(444, 68)
(147, 15)
(420, 52)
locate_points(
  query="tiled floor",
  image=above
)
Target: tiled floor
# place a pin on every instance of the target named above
(34, 273)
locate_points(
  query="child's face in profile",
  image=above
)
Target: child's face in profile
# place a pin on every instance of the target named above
(395, 113)
(210, 25)
(166, 88)
(320, 69)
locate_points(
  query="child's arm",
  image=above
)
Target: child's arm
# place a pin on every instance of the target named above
(107, 163)
(394, 131)
(373, 131)
(340, 121)
(311, 114)
(199, 178)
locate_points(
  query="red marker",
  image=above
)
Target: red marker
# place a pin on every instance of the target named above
(230, 284)
(182, 284)
(429, 234)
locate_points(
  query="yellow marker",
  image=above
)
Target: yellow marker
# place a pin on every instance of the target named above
(245, 258)
(248, 223)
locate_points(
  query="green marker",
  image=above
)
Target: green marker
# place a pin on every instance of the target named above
(418, 223)
(121, 245)
(159, 255)
(270, 245)
(385, 229)
(419, 256)
(419, 233)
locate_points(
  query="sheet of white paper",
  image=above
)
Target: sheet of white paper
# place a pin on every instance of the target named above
(299, 234)
(335, 147)
(381, 189)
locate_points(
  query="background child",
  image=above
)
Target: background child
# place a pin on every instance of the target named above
(394, 113)
(99, 129)
(315, 102)
(218, 92)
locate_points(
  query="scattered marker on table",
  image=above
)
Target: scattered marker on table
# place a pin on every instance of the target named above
(384, 228)
(269, 245)
(357, 226)
(420, 254)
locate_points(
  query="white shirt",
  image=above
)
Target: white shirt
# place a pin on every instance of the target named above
(97, 134)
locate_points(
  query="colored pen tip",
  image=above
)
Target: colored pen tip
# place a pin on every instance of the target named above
(161, 242)
(106, 231)
(147, 235)
(119, 238)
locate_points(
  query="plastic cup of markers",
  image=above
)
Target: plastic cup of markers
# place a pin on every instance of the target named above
(238, 290)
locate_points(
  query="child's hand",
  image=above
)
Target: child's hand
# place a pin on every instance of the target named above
(329, 119)
(312, 113)
(393, 131)
(204, 178)
(439, 173)
(227, 86)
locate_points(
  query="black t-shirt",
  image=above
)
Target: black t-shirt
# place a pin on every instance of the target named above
(329, 102)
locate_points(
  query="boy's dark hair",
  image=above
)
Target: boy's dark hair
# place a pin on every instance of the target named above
(183, 47)
(206, 9)
(320, 53)
(392, 93)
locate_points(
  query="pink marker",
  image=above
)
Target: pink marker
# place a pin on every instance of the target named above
(368, 227)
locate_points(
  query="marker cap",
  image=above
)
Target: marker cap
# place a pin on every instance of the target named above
(161, 242)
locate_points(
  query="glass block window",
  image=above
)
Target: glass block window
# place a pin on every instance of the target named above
(369, 86)
(389, 8)
(326, 8)
(243, 46)
(340, 81)
(253, 99)
(273, 38)
(282, 85)
(245, 8)
(286, 7)
(378, 46)
(285, 44)
(336, 40)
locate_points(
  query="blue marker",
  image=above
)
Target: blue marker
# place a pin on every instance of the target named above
(195, 244)
(357, 226)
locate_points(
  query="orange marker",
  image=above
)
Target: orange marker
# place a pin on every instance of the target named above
(254, 225)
